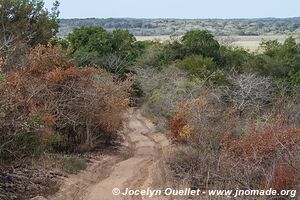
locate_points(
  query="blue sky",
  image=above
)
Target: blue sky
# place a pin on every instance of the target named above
(178, 8)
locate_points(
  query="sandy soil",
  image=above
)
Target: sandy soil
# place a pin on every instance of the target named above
(142, 170)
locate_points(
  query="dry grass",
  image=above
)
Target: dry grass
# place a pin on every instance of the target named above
(248, 42)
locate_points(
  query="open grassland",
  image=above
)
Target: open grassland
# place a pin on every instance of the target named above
(248, 42)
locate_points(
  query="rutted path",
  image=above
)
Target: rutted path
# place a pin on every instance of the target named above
(142, 170)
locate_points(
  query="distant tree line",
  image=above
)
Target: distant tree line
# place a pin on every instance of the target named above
(219, 27)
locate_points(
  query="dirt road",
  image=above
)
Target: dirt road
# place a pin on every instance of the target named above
(142, 170)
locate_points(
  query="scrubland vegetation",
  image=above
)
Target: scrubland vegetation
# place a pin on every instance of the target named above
(48, 103)
(232, 115)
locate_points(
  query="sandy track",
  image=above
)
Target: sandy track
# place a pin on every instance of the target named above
(144, 169)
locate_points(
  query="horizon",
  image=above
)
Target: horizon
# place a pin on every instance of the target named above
(176, 9)
(183, 18)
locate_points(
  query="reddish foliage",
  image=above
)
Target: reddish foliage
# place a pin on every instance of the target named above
(49, 119)
(269, 155)
(176, 124)
(285, 177)
(50, 90)
(262, 144)
(44, 59)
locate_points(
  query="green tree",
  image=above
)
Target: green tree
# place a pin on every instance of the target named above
(114, 50)
(24, 24)
(91, 39)
(279, 60)
(27, 20)
(201, 43)
(123, 44)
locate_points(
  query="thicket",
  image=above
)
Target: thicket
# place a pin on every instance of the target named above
(49, 103)
(51, 109)
(231, 114)
(115, 51)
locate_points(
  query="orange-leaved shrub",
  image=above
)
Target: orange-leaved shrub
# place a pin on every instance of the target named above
(179, 129)
(227, 150)
(200, 120)
(180, 125)
(77, 106)
(269, 155)
(285, 176)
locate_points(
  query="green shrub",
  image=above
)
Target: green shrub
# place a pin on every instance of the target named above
(197, 65)
(295, 78)
(2, 77)
(157, 55)
(278, 60)
(91, 39)
(19, 146)
(236, 59)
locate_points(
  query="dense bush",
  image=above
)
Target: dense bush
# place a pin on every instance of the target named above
(114, 51)
(278, 60)
(236, 59)
(196, 129)
(216, 148)
(24, 24)
(198, 66)
(269, 156)
(51, 100)
(203, 118)
(165, 89)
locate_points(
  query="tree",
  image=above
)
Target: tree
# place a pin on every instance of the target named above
(25, 23)
(91, 39)
(123, 44)
(278, 60)
(248, 90)
(96, 46)
(201, 43)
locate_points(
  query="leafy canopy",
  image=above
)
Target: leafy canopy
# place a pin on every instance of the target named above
(279, 60)
(201, 43)
(97, 44)
(27, 20)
